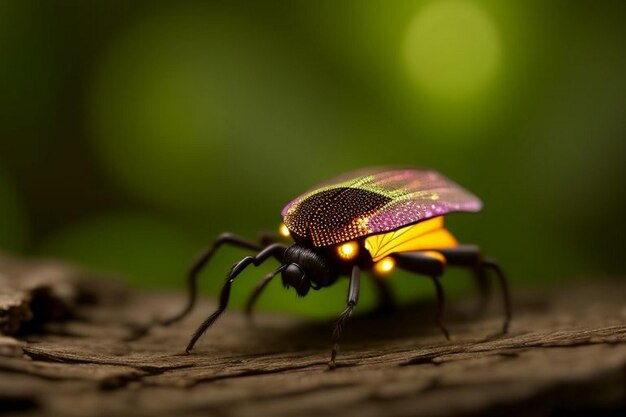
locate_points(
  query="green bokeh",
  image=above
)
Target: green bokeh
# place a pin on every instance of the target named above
(369, 42)
(452, 50)
(145, 250)
(29, 72)
(195, 110)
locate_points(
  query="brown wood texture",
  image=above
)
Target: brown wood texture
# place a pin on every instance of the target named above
(84, 355)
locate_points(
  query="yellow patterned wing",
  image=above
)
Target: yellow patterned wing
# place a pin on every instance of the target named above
(422, 236)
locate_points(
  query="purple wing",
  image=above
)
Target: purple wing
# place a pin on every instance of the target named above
(371, 201)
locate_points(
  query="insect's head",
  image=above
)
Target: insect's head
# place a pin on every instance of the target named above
(304, 268)
(294, 276)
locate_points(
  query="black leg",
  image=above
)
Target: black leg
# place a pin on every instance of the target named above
(441, 305)
(260, 286)
(386, 303)
(196, 267)
(421, 263)
(267, 237)
(353, 297)
(276, 250)
(484, 288)
(506, 295)
(471, 256)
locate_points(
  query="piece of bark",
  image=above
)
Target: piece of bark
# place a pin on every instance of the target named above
(36, 292)
(566, 352)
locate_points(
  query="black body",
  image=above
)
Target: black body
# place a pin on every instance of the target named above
(304, 268)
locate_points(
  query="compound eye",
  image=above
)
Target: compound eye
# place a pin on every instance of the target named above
(283, 230)
(348, 251)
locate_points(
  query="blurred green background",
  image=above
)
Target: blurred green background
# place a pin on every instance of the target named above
(133, 132)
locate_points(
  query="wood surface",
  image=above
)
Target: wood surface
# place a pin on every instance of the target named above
(75, 345)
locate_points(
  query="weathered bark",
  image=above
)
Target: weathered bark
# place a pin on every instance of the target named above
(566, 351)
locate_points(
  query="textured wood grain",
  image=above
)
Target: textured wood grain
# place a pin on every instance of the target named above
(566, 352)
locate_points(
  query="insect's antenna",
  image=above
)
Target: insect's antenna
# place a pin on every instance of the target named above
(278, 270)
(267, 278)
(260, 286)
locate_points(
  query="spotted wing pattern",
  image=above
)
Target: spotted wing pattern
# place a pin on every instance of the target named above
(371, 201)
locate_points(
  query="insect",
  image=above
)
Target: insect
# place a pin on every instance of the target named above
(374, 220)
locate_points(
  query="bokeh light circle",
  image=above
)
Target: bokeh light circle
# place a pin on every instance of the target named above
(451, 50)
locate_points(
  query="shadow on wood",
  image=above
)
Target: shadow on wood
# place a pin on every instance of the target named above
(566, 352)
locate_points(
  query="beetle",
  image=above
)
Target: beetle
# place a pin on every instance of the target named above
(373, 219)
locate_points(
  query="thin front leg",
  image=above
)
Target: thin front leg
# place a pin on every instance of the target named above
(353, 297)
(432, 267)
(276, 250)
(265, 237)
(196, 267)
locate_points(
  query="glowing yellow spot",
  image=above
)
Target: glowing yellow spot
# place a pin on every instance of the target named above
(348, 250)
(452, 49)
(283, 230)
(385, 266)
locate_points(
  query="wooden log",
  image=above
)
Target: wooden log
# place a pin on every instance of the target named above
(565, 353)
(41, 291)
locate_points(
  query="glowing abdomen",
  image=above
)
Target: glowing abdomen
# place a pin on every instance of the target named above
(422, 236)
